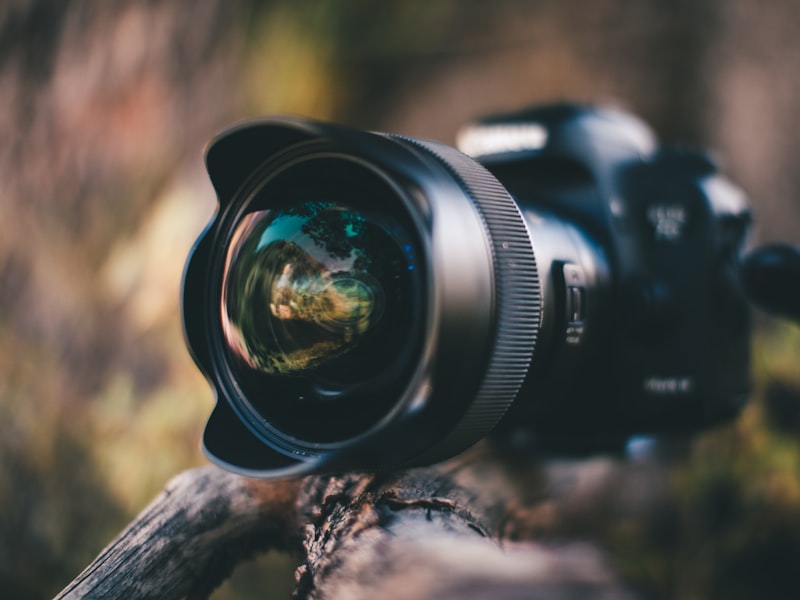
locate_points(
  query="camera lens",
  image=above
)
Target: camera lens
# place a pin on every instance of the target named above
(359, 300)
(320, 300)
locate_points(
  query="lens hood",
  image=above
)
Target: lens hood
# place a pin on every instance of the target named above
(435, 300)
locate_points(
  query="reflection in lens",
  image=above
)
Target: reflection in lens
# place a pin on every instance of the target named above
(306, 285)
(349, 303)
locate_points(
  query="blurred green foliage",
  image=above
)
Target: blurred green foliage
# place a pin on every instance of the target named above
(106, 109)
(729, 523)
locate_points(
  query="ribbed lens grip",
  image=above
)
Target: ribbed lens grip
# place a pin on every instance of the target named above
(517, 296)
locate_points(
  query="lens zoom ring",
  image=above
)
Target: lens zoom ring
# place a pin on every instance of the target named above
(518, 295)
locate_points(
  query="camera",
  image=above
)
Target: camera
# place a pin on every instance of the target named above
(364, 301)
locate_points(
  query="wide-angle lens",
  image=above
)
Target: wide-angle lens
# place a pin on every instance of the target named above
(360, 300)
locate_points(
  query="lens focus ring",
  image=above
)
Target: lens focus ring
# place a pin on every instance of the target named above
(517, 298)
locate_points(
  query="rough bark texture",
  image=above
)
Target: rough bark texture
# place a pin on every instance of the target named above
(439, 532)
(189, 539)
(435, 533)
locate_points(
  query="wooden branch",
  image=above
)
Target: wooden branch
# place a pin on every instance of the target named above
(434, 532)
(187, 541)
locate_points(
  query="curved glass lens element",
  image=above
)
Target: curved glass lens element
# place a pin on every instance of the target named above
(321, 307)
(304, 286)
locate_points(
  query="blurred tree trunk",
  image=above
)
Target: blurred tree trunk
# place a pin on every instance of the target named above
(439, 532)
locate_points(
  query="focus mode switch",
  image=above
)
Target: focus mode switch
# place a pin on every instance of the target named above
(574, 302)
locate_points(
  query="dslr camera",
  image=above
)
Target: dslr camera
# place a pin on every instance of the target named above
(365, 301)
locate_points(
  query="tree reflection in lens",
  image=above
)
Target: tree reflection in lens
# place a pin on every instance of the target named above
(304, 285)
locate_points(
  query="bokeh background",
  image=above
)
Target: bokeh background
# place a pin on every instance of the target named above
(105, 108)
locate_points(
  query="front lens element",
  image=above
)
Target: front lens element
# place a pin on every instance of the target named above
(321, 301)
(305, 286)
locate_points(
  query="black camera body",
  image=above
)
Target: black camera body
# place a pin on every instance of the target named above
(646, 327)
(367, 301)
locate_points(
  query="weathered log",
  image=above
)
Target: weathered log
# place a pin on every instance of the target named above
(436, 533)
(189, 539)
(440, 532)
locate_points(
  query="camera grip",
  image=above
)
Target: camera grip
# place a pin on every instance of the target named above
(771, 278)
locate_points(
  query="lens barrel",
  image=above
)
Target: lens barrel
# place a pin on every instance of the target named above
(359, 300)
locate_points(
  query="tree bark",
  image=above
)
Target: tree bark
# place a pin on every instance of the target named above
(439, 532)
(189, 539)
